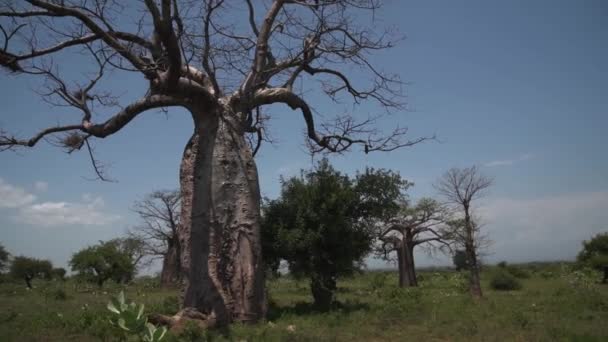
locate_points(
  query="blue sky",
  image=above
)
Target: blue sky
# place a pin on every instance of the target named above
(517, 87)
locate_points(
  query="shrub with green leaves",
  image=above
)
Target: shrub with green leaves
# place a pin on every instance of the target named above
(504, 281)
(131, 319)
(518, 272)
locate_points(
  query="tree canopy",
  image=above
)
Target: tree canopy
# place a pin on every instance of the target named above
(29, 268)
(102, 262)
(595, 253)
(320, 225)
(4, 256)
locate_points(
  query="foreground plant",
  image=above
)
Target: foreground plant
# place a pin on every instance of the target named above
(131, 319)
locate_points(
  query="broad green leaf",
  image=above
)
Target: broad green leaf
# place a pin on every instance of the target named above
(113, 308)
(122, 324)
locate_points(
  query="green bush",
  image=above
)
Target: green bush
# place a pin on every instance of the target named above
(518, 272)
(504, 281)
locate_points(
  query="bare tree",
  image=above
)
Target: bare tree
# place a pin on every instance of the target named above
(225, 70)
(459, 188)
(413, 226)
(160, 219)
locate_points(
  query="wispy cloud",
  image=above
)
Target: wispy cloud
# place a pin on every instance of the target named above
(506, 162)
(13, 196)
(88, 211)
(544, 228)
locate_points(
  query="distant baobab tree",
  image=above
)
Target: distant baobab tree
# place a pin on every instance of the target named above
(418, 225)
(159, 214)
(225, 65)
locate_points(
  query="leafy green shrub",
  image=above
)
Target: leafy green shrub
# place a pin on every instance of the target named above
(131, 319)
(504, 281)
(518, 272)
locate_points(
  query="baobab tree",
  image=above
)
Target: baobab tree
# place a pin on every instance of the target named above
(459, 188)
(158, 229)
(413, 226)
(225, 64)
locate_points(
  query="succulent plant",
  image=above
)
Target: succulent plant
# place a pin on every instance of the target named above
(130, 318)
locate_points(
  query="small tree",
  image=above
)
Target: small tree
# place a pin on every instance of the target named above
(459, 188)
(29, 268)
(159, 213)
(595, 254)
(319, 226)
(413, 226)
(102, 262)
(460, 260)
(4, 256)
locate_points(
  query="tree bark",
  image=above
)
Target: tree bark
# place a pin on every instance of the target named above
(323, 287)
(401, 267)
(474, 278)
(407, 272)
(220, 229)
(171, 273)
(412, 265)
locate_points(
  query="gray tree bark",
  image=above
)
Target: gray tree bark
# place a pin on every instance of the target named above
(171, 273)
(474, 278)
(220, 231)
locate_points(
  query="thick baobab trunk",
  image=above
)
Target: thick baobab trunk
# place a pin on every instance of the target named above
(220, 229)
(171, 273)
(407, 271)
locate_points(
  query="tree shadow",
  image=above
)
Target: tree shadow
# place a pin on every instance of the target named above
(276, 311)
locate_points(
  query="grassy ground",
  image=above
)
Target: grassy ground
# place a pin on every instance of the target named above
(555, 304)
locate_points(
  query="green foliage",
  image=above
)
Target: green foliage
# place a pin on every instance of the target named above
(58, 273)
(460, 260)
(504, 281)
(131, 319)
(29, 268)
(595, 252)
(321, 223)
(518, 272)
(4, 256)
(102, 262)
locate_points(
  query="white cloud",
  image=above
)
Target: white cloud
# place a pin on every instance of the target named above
(41, 186)
(506, 162)
(13, 197)
(544, 228)
(88, 213)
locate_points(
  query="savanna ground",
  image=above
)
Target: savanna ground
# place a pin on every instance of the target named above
(556, 303)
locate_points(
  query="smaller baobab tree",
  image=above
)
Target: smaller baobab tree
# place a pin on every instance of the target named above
(411, 227)
(459, 188)
(159, 215)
